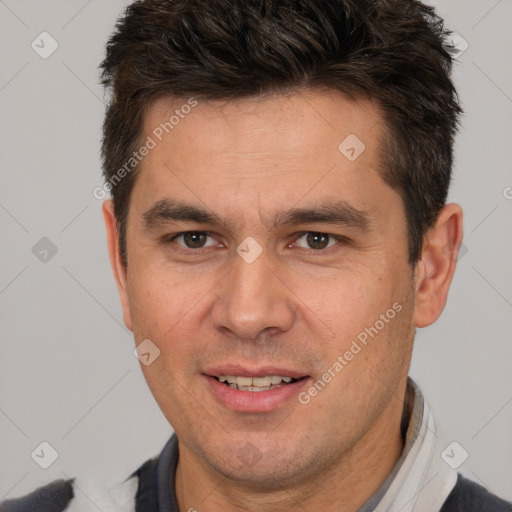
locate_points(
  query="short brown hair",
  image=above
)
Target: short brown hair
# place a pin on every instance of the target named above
(389, 50)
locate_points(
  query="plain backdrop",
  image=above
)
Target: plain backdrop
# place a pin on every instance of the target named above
(67, 372)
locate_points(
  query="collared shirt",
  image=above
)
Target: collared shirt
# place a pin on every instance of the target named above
(420, 481)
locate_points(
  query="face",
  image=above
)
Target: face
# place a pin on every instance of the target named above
(257, 248)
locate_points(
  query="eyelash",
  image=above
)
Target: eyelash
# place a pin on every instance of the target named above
(187, 250)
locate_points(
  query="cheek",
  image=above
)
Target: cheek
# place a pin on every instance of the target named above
(159, 303)
(172, 310)
(165, 310)
(369, 314)
(351, 301)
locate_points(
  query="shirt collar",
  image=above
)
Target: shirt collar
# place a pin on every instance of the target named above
(420, 481)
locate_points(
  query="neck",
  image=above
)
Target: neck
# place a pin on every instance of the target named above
(344, 487)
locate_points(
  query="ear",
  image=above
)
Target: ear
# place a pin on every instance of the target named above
(434, 271)
(120, 272)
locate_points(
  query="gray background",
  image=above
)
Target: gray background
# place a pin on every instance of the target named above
(67, 373)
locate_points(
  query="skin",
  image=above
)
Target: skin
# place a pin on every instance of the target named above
(294, 306)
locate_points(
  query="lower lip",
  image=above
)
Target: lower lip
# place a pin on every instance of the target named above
(254, 401)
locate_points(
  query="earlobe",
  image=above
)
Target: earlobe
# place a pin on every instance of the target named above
(434, 272)
(119, 270)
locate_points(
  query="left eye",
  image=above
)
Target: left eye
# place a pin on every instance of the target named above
(193, 239)
(316, 241)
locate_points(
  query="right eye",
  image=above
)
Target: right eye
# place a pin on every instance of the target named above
(192, 239)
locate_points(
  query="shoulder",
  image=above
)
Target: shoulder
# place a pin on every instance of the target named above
(54, 497)
(468, 496)
(76, 496)
(137, 493)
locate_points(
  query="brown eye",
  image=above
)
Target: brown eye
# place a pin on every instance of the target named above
(193, 239)
(316, 241)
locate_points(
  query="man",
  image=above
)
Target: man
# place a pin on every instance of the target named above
(278, 230)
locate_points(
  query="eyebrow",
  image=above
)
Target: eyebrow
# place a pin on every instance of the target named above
(167, 211)
(336, 213)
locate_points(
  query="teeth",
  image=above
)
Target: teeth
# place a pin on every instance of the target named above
(254, 382)
(244, 381)
(261, 382)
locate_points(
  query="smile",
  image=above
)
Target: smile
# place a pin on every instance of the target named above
(255, 383)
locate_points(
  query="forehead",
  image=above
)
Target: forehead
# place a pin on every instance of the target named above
(262, 150)
(293, 122)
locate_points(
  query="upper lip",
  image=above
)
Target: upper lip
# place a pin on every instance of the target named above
(244, 371)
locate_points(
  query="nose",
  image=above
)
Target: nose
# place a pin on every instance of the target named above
(253, 299)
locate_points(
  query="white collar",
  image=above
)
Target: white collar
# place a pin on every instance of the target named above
(422, 480)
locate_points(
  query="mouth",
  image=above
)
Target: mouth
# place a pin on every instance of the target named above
(254, 390)
(257, 384)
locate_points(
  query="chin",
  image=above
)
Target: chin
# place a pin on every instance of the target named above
(260, 462)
